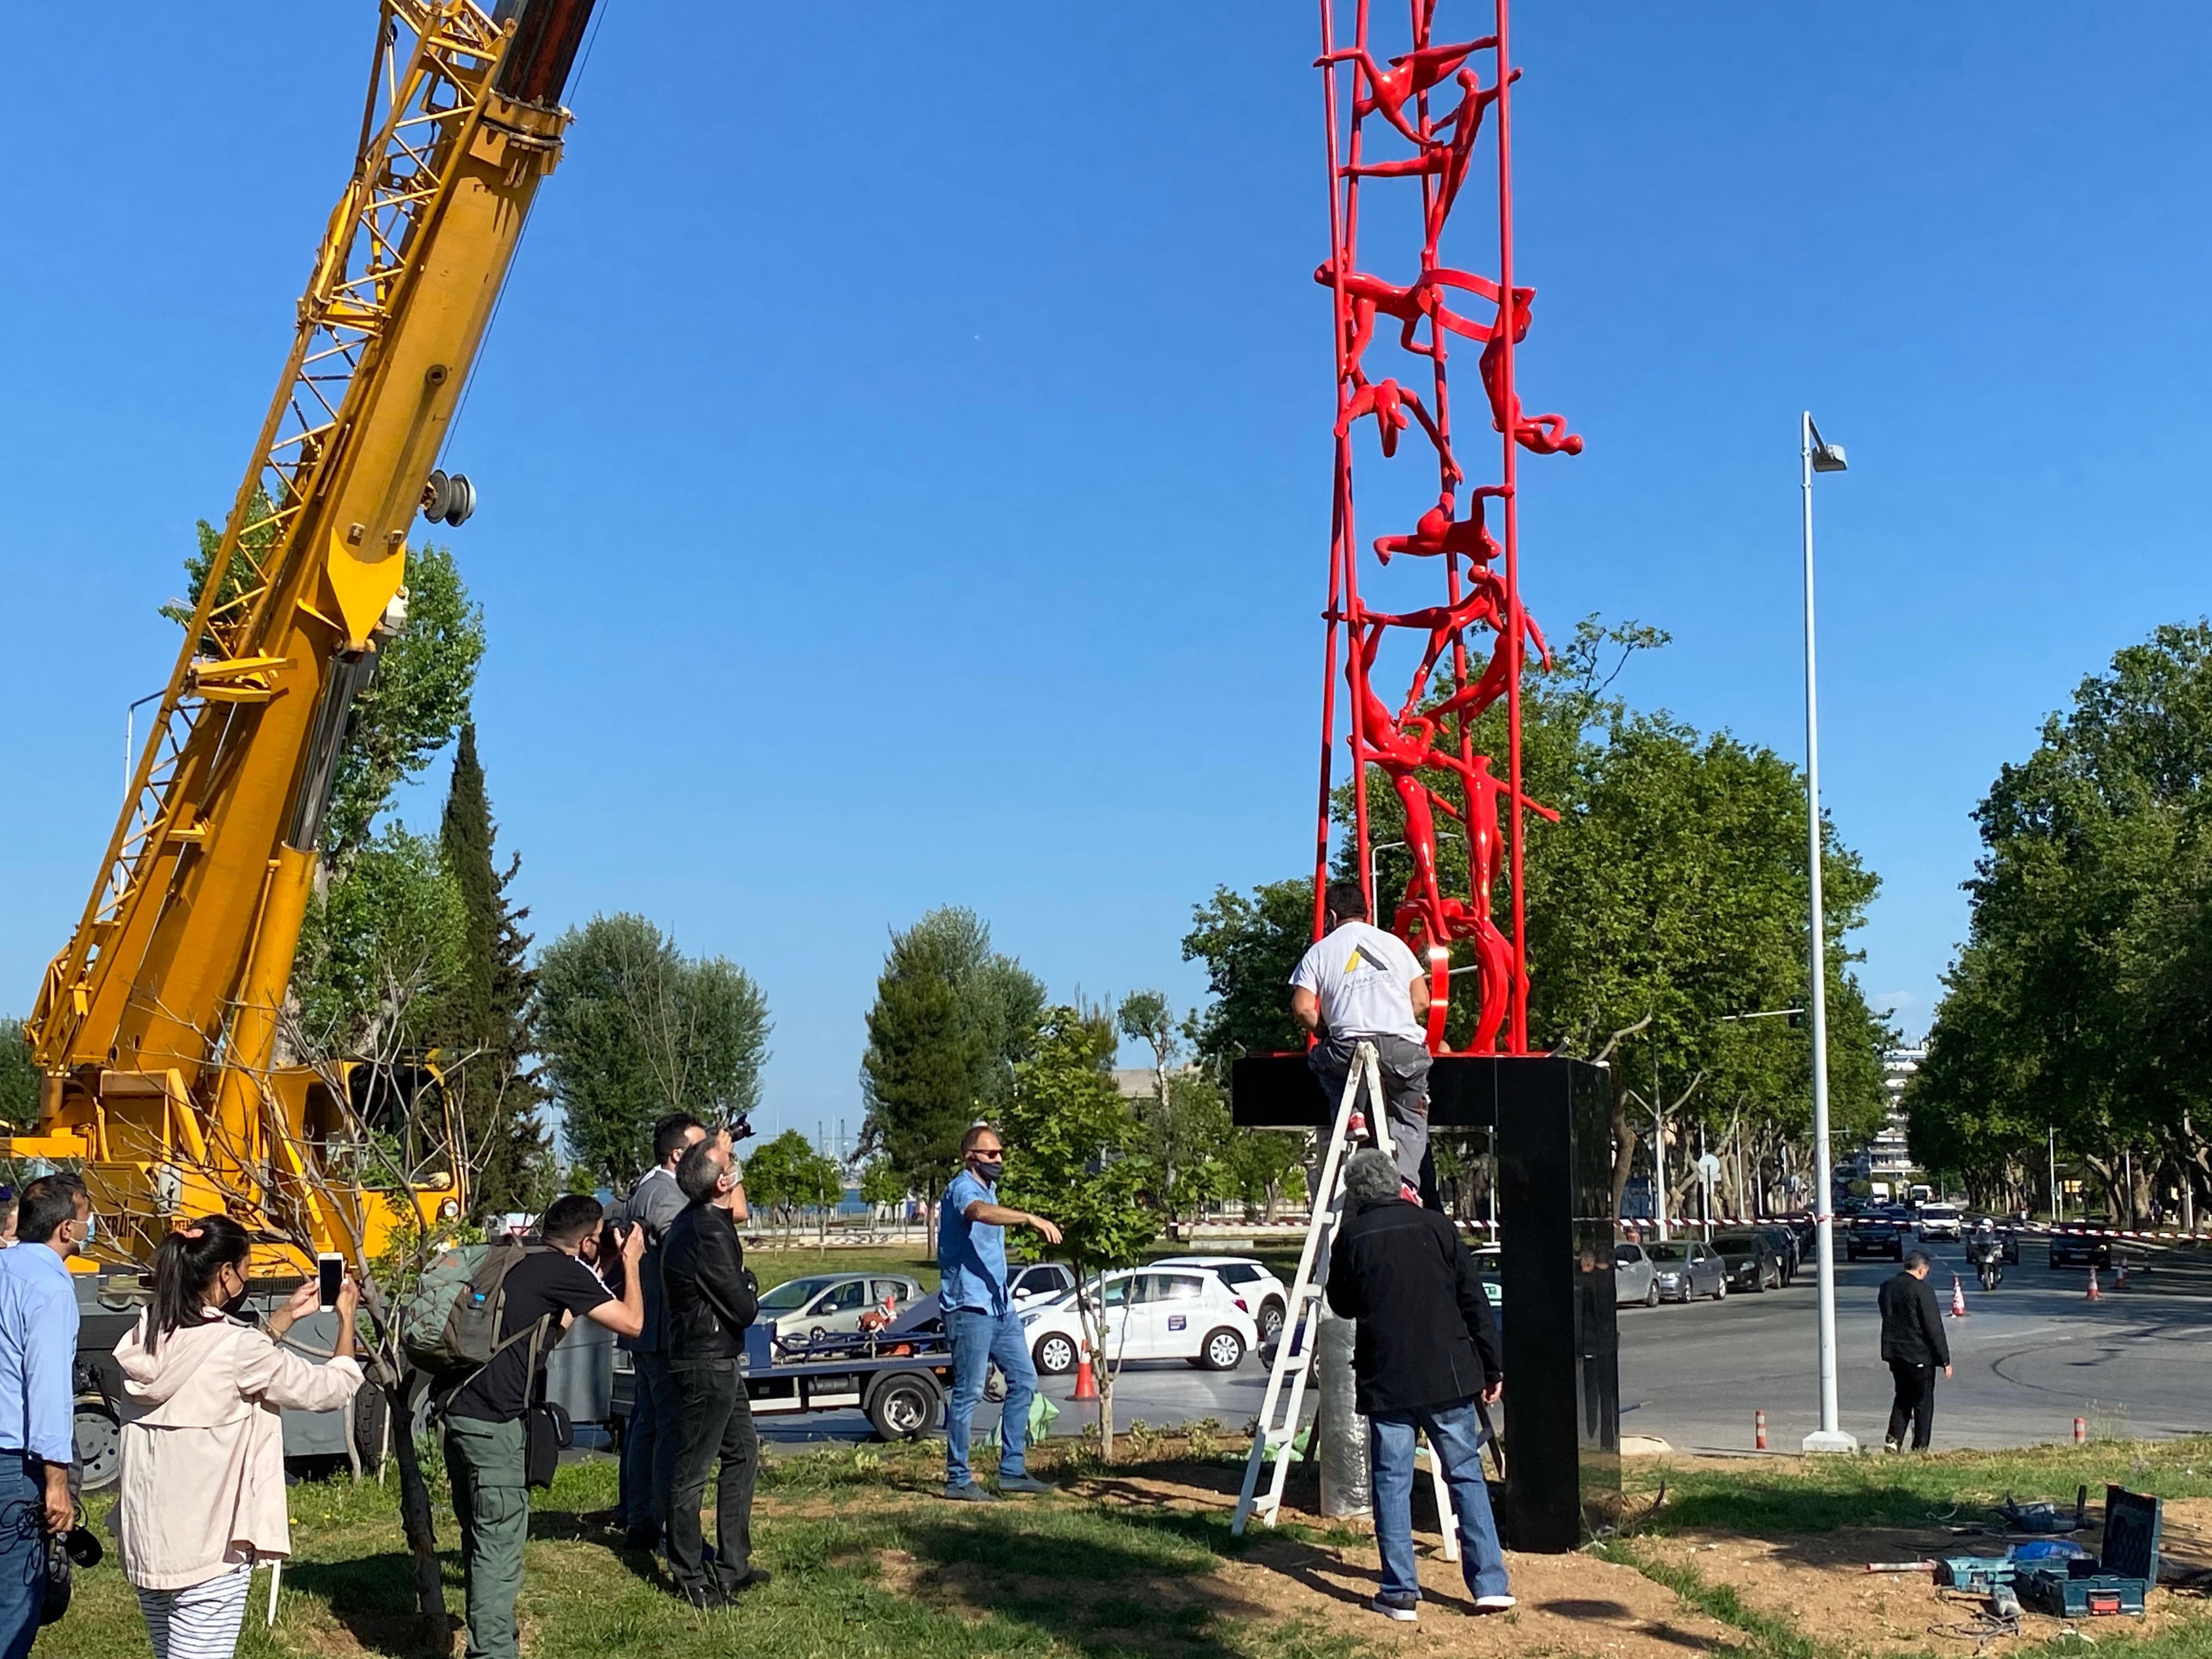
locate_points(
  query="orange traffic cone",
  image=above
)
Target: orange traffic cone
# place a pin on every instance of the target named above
(1086, 1386)
(2095, 1295)
(1958, 1298)
(2120, 1273)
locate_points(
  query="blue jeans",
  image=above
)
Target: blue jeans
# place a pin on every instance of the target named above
(23, 1552)
(978, 1339)
(648, 1454)
(1455, 1436)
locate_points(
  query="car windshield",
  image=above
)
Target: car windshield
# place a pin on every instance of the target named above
(1736, 1243)
(1938, 1212)
(1668, 1252)
(794, 1293)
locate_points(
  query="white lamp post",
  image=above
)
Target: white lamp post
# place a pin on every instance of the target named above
(1816, 455)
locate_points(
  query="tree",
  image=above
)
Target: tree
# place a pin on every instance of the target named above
(951, 1021)
(380, 950)
(2079, 1003)
(490, 1014)
(882, 1186)
(1078, 1164)
(632, 1030)
(1186, 1121)
(19, 1076)
(1249, 947)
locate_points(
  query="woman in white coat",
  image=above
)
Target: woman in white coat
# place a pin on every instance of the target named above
(203, 1462)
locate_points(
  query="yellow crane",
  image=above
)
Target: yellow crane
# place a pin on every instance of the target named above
(157, 1028)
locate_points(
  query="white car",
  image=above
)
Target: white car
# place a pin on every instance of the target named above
(1040, 1282)
(1145, 1313)
(1252, 1282)
(1939, 1221)
(831, 1305)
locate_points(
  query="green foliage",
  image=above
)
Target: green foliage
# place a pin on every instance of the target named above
(1266, 1167)
(1185, 1119)
(787, 1174)
(1249, 946)
(487, 1028)
(952, 1019)
(880, 1183)
(19, 1077)
(632, 1030)
(380, 950)
(2082, 998)
(1073, 1151)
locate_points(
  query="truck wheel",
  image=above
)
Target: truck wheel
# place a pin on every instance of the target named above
(904, 1405)
(1055, 1354)
(371, 1410)
(99, 1444)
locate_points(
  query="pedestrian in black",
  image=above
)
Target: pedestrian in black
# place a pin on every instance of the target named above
(1913, 1342)
(712, 1298)
(649, 1451)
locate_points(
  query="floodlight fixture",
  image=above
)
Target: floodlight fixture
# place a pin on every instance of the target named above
(1826, 457)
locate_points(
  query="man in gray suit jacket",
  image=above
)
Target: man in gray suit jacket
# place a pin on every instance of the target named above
(648, 1452)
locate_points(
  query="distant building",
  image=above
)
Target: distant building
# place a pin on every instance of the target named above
(1887, 1156)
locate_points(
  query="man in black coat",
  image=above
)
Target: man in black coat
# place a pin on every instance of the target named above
(711, 1298)
(1913, 1343)
(1426, 1352)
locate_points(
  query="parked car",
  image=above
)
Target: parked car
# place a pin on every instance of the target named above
(1938, 1221)
(1753, 1261)
(1785, 1246)
(1635, 1278)
(2079, 1250)
(1874, 1232)
(1265, 1295)
(1490, 1268)
(829, 1304)
(1145, 1313)
(1040, 1282)
(1687, 1268)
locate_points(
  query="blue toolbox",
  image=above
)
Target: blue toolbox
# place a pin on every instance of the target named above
(1980, 1574)
(2115, 1580)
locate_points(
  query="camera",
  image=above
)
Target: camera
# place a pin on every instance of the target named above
(739, 1127)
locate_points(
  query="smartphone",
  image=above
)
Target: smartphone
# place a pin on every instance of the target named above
(330, 1267)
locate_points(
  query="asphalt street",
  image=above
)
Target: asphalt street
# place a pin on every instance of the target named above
(2029, 1357)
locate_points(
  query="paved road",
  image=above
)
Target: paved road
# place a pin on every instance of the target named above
(2029, 1356)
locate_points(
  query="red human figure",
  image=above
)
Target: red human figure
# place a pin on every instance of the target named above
(1408, 76)
(1483, 792)
(1447, 160)
(1469, 702)
(1436, 532)
(1539, 435)
(1394, 408)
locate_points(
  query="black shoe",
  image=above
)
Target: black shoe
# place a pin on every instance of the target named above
(753, 1578)
(646, 1537)
(706, 1597)
(1023, 1483)
(971, 1493)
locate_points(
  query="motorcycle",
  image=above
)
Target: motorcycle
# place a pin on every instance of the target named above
(1989, 1262)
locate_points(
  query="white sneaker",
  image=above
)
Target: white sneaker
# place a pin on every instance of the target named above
(1494, 1603)
(1405, 1609)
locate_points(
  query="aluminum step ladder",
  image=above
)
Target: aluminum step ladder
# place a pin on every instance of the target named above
(1276, 1429)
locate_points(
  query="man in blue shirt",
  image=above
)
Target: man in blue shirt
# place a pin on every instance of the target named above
(38, 1406)
(980, 1317)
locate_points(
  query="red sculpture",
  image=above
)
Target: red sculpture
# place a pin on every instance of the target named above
(1427, 753)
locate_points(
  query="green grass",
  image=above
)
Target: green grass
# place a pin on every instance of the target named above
(1818, 1494)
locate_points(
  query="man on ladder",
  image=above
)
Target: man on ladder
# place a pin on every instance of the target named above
(1426, 1352)
(1359, 983)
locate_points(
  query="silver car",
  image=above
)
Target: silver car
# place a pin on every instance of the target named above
(1635, 1278)
(1682, 1269)
(831, 1305)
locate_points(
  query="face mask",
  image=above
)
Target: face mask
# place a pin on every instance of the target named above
(988, 1170)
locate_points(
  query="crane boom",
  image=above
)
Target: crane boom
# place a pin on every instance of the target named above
(156, 1026)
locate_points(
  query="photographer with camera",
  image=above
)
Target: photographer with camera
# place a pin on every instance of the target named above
(648, 1447)
(712, 1298)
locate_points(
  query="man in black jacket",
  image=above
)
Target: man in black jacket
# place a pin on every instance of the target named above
(1913, 1343)
(1426, 1349)
(711, 1297)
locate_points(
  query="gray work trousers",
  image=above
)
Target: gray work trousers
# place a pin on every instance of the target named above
(1405, 1068)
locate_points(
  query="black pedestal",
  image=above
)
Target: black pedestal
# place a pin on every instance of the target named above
(1551, 1118)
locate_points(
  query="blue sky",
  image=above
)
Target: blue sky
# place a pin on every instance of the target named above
(903, 445)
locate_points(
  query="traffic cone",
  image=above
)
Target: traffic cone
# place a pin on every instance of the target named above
(2095, 1295)
(1958, 1298)
(1086, 1386)
(2120, 1273)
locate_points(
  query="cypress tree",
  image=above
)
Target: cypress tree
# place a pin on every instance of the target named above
(491, 1012)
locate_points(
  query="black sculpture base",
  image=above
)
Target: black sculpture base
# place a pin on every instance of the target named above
(1551, 1120)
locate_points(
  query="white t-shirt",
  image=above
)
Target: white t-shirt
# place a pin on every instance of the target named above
(1361, 973)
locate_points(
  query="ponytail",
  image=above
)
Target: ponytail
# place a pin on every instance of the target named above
(185, 1265)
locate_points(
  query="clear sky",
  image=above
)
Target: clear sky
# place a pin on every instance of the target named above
(903, 446)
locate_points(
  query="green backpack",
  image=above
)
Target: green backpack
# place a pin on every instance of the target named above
(452, 1325)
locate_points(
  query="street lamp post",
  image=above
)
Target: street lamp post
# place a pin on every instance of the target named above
(1815, 455)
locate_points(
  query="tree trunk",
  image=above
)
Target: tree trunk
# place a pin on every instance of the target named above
(417, 1521)
(1624, 1142)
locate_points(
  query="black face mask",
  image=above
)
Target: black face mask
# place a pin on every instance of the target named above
(988, 1171)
